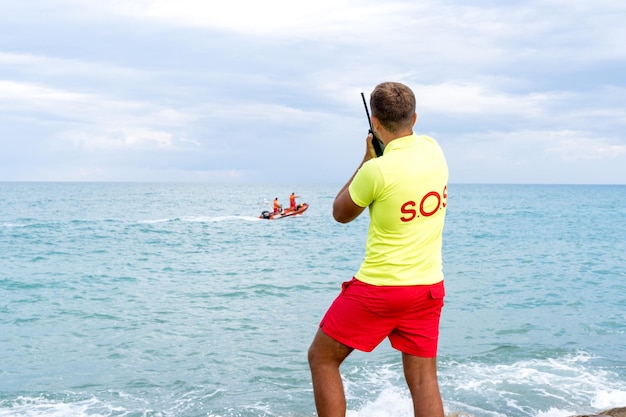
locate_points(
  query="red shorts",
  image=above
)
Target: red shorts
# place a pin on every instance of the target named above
(362, 316)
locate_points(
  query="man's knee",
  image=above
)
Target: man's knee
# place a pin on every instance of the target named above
(327, 351)
(314, 353)
(311, 355)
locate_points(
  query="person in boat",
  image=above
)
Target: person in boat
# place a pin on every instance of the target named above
(292, 201)
(398, 291)
(277, 206)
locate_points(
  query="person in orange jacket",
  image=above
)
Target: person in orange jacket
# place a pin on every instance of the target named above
(277, 206)
(292, 201)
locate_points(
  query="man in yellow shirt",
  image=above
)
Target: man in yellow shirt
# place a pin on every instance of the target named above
(398, 291)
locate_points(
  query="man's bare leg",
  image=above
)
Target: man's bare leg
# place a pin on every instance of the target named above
(325, 357)
(421, 377)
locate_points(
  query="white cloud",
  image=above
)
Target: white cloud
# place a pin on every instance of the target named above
(575, 146)
(50, 66)
(122, 139)
(268, 17)
(476, 99)
(206, 87)
(563, 145)
(536, 156)
(97, 122)
(38, 96)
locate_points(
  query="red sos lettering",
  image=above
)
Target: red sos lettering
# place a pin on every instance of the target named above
(409, 210)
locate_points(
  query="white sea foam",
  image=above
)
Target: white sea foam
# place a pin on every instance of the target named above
(556, 412)
(550, 387)
(156, 221)
(44, 407)
(216, 219)
(391, 402)
(13, 225)
(609, 398)
(530, 387)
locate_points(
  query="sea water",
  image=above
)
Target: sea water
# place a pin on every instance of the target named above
(141, 299)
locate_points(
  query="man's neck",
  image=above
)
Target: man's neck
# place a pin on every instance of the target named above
(386, 136)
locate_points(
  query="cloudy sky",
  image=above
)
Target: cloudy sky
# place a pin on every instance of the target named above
(269, 91)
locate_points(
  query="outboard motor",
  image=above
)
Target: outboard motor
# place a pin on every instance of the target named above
(265, 214)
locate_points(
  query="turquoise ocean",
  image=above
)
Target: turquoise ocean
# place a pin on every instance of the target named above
(175, 300)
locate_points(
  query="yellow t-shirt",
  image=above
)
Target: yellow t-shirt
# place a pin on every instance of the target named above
(406, 191)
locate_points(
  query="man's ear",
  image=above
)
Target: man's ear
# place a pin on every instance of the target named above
(375, 123)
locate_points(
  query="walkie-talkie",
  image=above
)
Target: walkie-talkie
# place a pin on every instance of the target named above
(379, 147)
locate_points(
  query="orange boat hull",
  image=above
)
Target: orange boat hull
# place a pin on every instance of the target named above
(288, 212)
